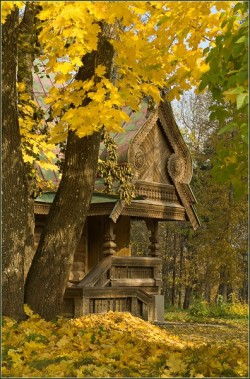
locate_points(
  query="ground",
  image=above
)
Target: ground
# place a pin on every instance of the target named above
(214, 331)
(120, 345)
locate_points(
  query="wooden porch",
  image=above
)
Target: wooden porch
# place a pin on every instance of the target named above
(122, 284)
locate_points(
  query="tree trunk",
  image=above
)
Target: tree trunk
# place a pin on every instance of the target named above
(15, 188)
(26, 44)
(48, 275)
(187, 297)
(26, 56)
(173, 289)
(181, 263)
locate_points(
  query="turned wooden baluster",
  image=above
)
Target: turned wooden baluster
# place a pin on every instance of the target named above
(109, 246)
(152, 226)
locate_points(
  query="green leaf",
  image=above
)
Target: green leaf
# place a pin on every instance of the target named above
(238, 6)
(237, 50)
(206, 50)
(203, 84)
(245, 138)
(235, 91)
(216, 93)
(224, 23)
(241, 39)
(241, 100)
(242, 76)
(228, 128)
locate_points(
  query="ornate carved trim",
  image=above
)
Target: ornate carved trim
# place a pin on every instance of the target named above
(180, 163)
(139, 160)
(41, 209)
(168, 210)
(183, 171)
(156, 191)
(136, 156)
(182, 190)
(116, 211)
(100, 209)
(94, 210)
(161, 211)
(176, 167)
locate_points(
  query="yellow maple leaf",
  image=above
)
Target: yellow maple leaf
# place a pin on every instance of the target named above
(100, 70)
(64, 67)
(63, 342)
(77, 61)
(99, 95)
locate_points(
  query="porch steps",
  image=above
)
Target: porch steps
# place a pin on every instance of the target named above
(122, 284)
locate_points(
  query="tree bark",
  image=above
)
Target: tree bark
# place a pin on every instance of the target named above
(26, 56)
(173, 289)
(187, 297)
(15, 188)
(181, 263)
(26, 44)
(48, 275)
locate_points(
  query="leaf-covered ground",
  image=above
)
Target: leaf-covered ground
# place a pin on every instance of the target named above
(118, 345)
(209, 332)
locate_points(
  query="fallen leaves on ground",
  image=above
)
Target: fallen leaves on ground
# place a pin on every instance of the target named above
(113, 345)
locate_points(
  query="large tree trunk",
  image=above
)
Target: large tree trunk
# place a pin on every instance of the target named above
(26, 46)
(15, 189)
(26, 56)
(48, 275)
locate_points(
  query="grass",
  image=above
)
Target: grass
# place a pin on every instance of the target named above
(205, 323)
(201, 311)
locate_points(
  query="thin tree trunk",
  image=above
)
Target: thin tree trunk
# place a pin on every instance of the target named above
(173, 290)
(187, 297)
(181, 271)
(15, 188)
(48, 275)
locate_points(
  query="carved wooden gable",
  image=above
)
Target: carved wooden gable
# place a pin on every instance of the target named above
(149, 154)
(162, 162)
(162, 167)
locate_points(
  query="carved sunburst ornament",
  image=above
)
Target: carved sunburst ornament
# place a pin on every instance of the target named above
(176, 167)
(139, 159)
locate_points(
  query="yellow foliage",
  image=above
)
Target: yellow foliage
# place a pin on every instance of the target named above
(7, 7)
(111, 345)
(156, 46)
(35, 146)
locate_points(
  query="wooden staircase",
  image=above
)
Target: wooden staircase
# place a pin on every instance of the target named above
(123, 284)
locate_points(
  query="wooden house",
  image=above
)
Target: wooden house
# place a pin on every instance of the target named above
(104, 275)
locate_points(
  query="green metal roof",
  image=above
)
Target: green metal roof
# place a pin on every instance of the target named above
(97, 197)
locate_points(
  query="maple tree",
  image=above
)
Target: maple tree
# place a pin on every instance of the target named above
(109, 54)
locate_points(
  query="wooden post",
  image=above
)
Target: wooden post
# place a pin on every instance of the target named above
(152, 226)
(109, 246)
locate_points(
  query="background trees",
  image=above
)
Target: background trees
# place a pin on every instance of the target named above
(227, 79)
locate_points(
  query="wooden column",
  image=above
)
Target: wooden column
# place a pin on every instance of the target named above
(109, 246)
(152, 226)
